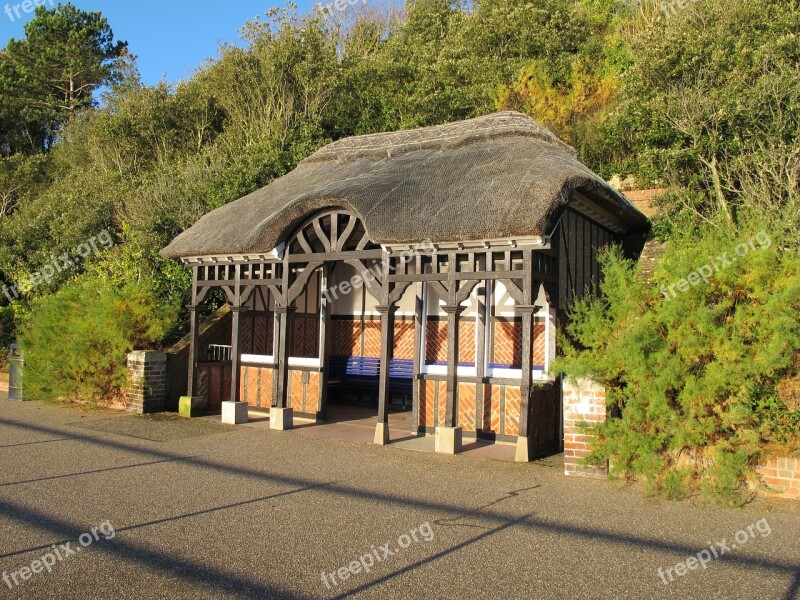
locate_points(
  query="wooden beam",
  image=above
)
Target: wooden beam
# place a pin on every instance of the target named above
(387, 351)
(236, 351)
(419, 311)
(283, 312)
(299, 284)
(194, 339)
(451, 401)
(386, 310)
(317, 256)
(324, 321)
(462, 276)
(480, 355)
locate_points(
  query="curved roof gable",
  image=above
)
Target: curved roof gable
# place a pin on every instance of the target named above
(493, 177)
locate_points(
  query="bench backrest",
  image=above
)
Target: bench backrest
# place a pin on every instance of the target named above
(365, 366)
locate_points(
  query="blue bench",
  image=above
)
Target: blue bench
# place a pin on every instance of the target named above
(363, 373)
(401, 377)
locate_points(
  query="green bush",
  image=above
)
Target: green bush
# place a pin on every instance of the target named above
(691, 379)
(76, 340)
(8, 332)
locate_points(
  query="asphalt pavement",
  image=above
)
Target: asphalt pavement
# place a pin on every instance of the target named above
(99, 504)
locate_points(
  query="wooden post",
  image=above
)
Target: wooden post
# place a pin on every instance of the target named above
(453, 313)
(236, 308)
(419, 312)
(527, 365)
(386, 311)
(194, 342)
(324, 320)
(387, 351)
(480, 354)
(236, 360)
(234, 411)
(527, 311)
(194, 336)
(281, 379)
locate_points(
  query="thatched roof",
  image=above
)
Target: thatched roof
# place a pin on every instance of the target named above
(493, 177)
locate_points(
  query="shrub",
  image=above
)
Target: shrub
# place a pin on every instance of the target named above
(8, 332)
(693, 378)
(76, 340)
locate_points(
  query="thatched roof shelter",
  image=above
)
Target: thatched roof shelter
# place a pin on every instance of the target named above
(498, 176)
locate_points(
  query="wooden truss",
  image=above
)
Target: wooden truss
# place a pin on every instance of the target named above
(337, 236)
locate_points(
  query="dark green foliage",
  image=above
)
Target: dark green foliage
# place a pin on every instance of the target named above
(51, 74)
(76, 340)
(693, 377)
(713, 84)
(706, 100)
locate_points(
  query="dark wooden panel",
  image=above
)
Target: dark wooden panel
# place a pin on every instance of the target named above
(544, 420)
(215, 383)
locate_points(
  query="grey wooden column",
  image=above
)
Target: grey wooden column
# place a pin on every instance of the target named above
(236, 355)
(324, 322)
(419, 311)
(527, 310)
(387, 351)
(527, 313)
(281, 378)
(453, 313)
(194, 342)
(480, 354)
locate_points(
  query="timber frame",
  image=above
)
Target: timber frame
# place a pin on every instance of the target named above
(525, 267)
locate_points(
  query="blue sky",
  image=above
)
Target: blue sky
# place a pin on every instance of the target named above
(170, 37)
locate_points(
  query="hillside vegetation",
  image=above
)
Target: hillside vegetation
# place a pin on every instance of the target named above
(703, 100)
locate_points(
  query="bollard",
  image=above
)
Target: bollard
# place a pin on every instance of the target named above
(15, 367)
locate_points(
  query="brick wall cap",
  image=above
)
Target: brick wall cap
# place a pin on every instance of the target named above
(585, 384)
(147, 356)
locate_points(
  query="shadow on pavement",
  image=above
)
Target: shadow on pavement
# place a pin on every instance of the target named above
(222, 580)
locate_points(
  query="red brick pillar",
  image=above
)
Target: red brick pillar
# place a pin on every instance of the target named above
(147, 389)
(584, 402)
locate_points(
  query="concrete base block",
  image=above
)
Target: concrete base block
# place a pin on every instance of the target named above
(234, 413)
(590, 472)
(382, 434)
(192, 406)
(523, 453)
(447, 440)
(280, 419)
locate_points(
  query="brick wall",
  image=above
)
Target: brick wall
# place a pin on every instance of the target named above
(147, 389)
(256, 386)
(507, 348)
(303, 393)
(436, 341)
(346, 338)
(485, 408)
(584, 402)
(781, 477)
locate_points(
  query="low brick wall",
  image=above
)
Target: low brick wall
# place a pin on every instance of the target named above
(147, 389)
(781, 476)
(584, 402)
